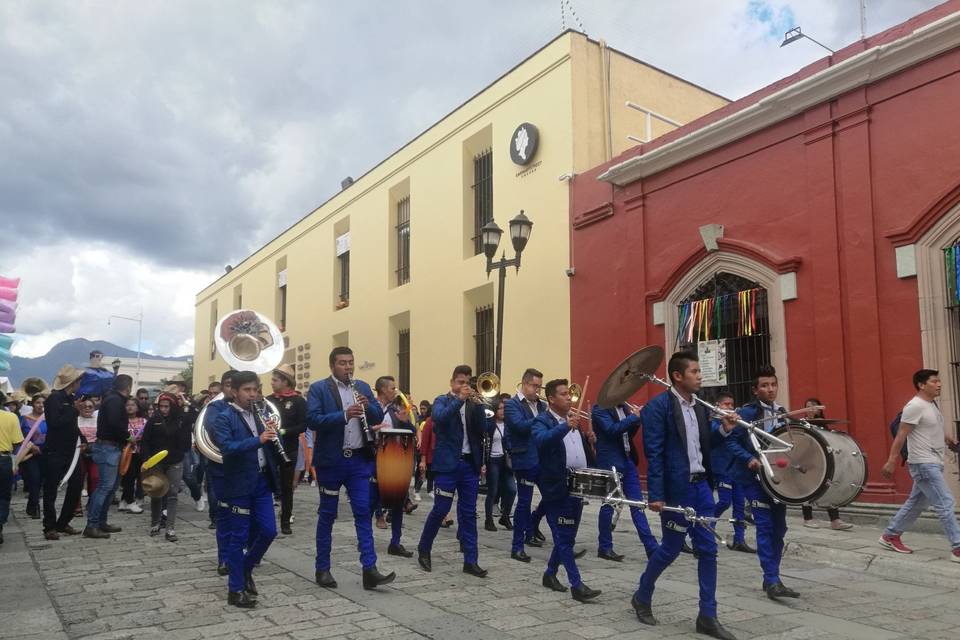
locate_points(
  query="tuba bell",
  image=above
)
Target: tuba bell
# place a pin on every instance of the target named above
(246, 340)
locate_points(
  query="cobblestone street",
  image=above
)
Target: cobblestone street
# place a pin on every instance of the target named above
(135, 586)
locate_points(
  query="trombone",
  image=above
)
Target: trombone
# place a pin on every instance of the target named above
(484, 391)
(575, 392)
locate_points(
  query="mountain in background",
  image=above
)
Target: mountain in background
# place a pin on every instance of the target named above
(75, 352)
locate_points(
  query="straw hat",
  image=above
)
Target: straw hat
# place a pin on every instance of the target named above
(67, 375)
(286, 371)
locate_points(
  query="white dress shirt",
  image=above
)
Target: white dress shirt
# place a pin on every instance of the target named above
(573, 443)
(496, 442)
(694, 455)
(771, 411)
(465, 448)
(353, 434)
(533, 405)
(252, 425)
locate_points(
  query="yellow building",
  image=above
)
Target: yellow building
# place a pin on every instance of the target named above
(392, 265)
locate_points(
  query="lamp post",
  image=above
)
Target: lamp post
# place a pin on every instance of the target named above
(520, 227)
(796, 34)
(139, 320)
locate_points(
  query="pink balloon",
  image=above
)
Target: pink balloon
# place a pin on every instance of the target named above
(7, 316)
(8, 306)
(7, 328)
(8, 294)
(10, 283)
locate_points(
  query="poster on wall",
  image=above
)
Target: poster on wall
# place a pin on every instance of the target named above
(713, 362)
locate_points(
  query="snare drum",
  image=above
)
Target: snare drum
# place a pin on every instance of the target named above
(395, 449)
(825, 468)
(591, 483)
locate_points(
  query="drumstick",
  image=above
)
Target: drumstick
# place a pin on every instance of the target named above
(583, 396)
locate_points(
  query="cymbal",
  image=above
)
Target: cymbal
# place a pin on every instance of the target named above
(629, 376)
(822, 421)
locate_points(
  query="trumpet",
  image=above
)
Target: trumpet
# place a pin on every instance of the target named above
(484, 391)
(575, 392)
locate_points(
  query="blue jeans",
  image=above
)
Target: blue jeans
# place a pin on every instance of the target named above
(107, 458)
(771, 521)
(253, 512)
(632, 490)
(501, 487)
(353, 473)
(563, 516)
(464, 482)
(700, 497)
(929, 488)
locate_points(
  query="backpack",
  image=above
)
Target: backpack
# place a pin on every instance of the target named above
(894, 428)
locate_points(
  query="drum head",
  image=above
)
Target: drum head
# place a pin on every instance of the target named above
(808, 466)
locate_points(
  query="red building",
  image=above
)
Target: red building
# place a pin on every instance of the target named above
(831, 197)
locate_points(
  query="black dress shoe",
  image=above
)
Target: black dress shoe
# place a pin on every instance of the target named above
(686, 548)
(537, 534)
(423, 559)
(610, 555)
(741, 546)
(488, 524)
(68, 530)
(778, 590)
(550, 581)
(241, 599)
(222, 569)
(109, 528)
(505, 523)
(582, 593)
(533, 542)
(95, 533)
(474, 569)
(520, 555)
(325, 579)
(579, 554)
(212, 525)
(372, 578)
(286, 530)
(399, 550)
(250, 586)
(644, 611)
(713, 628)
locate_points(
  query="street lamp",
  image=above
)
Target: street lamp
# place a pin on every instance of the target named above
(139, 320)
(520, 228)
(795, 34)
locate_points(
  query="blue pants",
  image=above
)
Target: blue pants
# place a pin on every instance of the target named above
(501, 487)
(700, 497)
(242, 513)
(563, 517)
(219, 515)
(464, 482)
(354, 474)
(396, 515)
(632, 490)
(107, 458)
(522, 523)
(929, 488)
(729, 493)
(771, 522)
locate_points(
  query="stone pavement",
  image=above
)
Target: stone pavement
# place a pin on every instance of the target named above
(134, 586)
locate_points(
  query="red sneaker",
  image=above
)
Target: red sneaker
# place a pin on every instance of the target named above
(894, 544)
(955, 556)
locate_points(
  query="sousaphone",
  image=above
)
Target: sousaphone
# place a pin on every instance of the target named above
(247, 341)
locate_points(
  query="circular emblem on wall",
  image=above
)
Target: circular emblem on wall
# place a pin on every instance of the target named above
(524, 143)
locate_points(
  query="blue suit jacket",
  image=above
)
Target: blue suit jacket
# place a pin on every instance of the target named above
(548, 436)
(609, 429)
(665, 447)
(448, 433)
(239, 447)
(325, 416)
(518, 422)
(739, 447)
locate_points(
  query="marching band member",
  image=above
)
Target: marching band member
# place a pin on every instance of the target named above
(615, 429)
(394, 417)
(561, 446)
(293, 417)
(219, 508)
(342, 457)
(459, 425)
(677, 443)
(519, 414)
(770, 516)
(249, 479)
(729, 491)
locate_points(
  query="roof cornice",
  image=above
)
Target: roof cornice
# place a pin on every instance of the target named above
(863, 68)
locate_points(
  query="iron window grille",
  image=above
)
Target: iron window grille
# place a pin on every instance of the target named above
(482, 196)
(483, 338)
(403, 241)
(403, 360)
(344, 277)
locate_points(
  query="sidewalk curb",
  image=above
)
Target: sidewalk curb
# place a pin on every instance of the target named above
(883, 563)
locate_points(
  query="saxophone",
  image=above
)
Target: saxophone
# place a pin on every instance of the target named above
(369, 436)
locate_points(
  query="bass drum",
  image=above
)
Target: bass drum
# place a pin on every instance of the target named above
(395, 449)
(825, 468)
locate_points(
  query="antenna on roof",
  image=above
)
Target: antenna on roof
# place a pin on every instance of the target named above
(568, 5)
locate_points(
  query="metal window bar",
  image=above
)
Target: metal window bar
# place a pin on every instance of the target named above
(213, 330)
(283, 308)
(952, 280)
(745, 353)
(648, 117)
(403, 241)
(403, 360)
(345, 277)
(482, 196)
(483, 338)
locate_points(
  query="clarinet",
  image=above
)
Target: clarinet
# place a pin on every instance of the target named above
(369, 436)
(269, 420)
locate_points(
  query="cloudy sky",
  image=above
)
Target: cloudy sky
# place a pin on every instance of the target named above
(147, 144)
